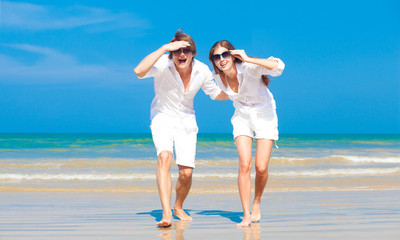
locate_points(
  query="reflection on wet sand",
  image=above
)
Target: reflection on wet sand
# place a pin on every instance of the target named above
(177, 227)
(252, 232)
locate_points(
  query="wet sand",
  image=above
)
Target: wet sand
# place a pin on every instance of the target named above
(286, 215)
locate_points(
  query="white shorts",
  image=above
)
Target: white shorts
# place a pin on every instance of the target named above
(258, 125)
(167, 132)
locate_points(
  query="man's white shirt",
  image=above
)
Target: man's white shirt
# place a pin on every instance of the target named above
(170, 96)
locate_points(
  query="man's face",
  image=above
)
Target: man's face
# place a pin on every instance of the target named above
(182, 58)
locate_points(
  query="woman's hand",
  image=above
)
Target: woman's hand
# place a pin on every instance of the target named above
(267, 63)
(241, 54)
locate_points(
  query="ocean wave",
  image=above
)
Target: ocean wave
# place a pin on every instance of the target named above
(151, 176)
(77, 177)
(362, 159)
(336, 159)
(104, 177)
(132, 163)
(339, 172)
(75, 163)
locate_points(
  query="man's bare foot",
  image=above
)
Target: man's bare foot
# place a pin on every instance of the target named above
(245, 223)
(165, 222)
(255, 213)
(182, 215)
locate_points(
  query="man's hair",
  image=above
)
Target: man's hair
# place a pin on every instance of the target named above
(181, 36)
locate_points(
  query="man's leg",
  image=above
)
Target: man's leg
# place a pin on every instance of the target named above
(182, 190)
(165, 186)
(185, 149)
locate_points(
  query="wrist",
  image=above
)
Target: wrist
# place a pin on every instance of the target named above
(248, 59)
(164, 48)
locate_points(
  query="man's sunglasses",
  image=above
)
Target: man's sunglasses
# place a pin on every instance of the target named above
(185, 51)
(224, 55)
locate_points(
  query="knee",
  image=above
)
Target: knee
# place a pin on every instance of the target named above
(164, 159)
(262, 171)
(185, 174)
(245, 168)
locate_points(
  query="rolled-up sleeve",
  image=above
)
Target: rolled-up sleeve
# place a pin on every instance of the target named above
(209, 86)
(157, 68)
(276, 71)
(151, 73)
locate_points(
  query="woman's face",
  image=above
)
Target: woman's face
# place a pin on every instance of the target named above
(223, 59)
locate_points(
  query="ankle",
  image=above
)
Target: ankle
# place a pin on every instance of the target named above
(167, 213)
(176, 208)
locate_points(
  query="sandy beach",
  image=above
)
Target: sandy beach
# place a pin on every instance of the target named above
(286, 215)
(87, 186)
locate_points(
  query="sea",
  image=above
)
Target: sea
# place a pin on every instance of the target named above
(128, 162)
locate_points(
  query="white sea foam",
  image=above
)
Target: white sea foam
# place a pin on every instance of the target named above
(77, 177)
(339, 172)
(362, 159)
(151, 176)
(332, 158)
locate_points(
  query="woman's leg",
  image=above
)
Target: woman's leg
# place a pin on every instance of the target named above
(243, 144)
(263, 154)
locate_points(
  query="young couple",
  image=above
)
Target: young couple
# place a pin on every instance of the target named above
(177, 79)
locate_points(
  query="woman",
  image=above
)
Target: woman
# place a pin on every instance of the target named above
(245, 81)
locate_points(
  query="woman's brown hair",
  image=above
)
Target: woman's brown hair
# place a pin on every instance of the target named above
(223, 43)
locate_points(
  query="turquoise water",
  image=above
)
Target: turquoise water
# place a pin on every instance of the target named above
(141, 145)
(77, 160)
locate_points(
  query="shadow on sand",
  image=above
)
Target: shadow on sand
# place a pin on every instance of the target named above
(157, 214)
(233, 216)
(177, 229)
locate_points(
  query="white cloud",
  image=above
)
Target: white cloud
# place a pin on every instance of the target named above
(17, 15)
(53, 67)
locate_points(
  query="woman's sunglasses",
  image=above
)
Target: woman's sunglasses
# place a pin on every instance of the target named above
(224, 55)
(185, 51)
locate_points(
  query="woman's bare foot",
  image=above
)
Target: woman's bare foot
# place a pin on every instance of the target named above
(255, 213)
(245, 223)
(165, 222)
(182, 215)
(255, 217)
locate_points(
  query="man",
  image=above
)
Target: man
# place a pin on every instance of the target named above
(177, 79)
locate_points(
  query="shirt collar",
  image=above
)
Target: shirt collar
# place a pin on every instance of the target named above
(239, 68)
(170, 63)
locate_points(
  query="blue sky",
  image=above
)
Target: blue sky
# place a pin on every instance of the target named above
(66, 66)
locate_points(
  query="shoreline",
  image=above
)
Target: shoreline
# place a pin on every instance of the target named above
(212, 186)
(286, 215)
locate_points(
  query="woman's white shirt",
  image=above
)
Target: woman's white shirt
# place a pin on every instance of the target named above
(252, 93)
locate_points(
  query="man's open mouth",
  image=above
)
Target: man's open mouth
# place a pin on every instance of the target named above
(182, 61)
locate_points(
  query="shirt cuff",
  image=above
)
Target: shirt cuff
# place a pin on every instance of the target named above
(215, 94)
(278, 71)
